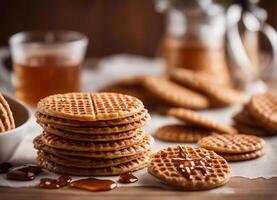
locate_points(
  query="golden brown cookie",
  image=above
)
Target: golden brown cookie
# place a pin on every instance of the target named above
(174, 94)
(66, 122)
(219, 93)
(143, 146)
(263, 107)
(73, 145)
(193, 118)
(90, 106)
(243, 156)
(104, 129)
(189, 168)
(232, 144)
(130, 166)
(82, 162)
(181, 133)
(93, 137)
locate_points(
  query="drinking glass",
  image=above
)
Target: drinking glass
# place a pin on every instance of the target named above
(46, 63)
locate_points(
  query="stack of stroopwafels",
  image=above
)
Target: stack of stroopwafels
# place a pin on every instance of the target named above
(92, 134)
(6, 116)
(259, 116)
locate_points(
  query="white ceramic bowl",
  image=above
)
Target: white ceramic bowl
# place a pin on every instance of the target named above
(10, 140)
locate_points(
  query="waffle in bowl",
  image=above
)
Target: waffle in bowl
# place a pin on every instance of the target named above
(103, 127)
(6, 116)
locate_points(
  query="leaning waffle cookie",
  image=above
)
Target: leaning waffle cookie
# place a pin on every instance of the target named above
(252, 130)
(204, 84)
(93, 137)
(89, 163)
(90, 106)
(189, 168)
(196, 119)
(232, 144)
(263, 107)
(65, 144)
(141, 147)
(130, 166)
(244, 117)
(6, 115)
(181, 133)
(67, 122)
(175, 95)
(243, 156)
(104, 129)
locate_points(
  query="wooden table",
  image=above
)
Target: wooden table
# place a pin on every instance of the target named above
(237, 188)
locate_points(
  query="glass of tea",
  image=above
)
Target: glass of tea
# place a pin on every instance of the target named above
(46, 62)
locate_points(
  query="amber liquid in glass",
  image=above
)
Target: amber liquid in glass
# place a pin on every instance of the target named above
(43, 75)
(196, 56)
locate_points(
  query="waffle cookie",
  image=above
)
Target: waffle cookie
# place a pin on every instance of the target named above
(189, 168)
(92, 134)
(6, 117)
(263, 107)
(122, 168)
(181, 133)
(193, 118)
(90, 106)
(235, 147)
(258, 116)
(174, 94)
(219, 94)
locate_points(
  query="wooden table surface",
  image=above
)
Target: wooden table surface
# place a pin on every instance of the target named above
(237, 188)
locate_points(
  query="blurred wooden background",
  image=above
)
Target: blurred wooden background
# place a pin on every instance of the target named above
(113, 26)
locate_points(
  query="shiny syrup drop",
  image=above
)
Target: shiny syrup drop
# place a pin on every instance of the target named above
(49, 183)
(24, 172)
(93, 184)
(127, 178)
(186, 165)
(4, 167)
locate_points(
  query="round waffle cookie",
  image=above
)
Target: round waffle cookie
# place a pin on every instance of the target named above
(194, 118)
(181, 133)
(104, 129)
(189, 168)
(203, 83)
(90, 106)
(67, 122)
(93, 137)
(174, 94)
(140, 147)
(65, 144)
(123, 168)
(70, 161)
(6, 116)
(263, 107)
(243, 156)
(232, 144)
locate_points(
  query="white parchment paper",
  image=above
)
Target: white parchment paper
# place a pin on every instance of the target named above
(115, 67)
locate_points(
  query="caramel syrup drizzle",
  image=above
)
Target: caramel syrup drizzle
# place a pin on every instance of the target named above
(186, 165)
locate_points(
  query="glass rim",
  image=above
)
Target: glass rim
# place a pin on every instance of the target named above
(20, 38)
